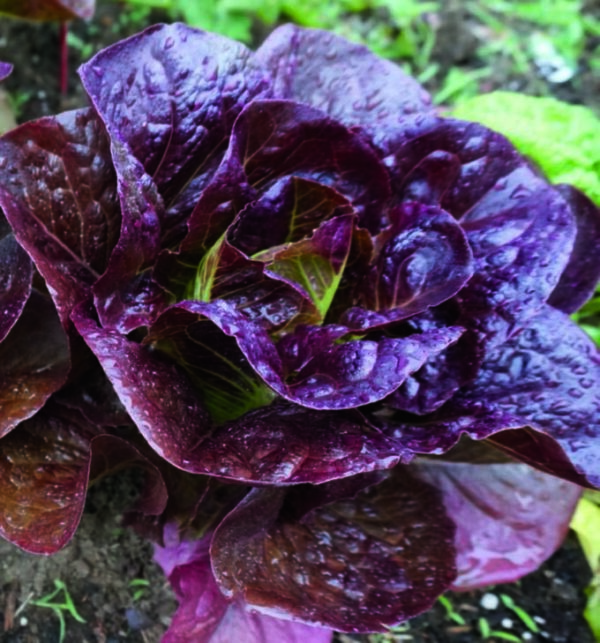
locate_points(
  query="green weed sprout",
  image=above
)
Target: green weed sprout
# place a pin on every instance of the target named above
(529, 623)
(451, 613)
(59, 608)
(139, 587)
(487, 632)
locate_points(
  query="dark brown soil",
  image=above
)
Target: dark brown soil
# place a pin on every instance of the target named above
(101, 568)
(98, 567)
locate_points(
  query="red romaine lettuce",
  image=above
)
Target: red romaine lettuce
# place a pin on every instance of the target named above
(296, 297)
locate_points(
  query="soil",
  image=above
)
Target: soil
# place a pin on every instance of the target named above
(99, 565)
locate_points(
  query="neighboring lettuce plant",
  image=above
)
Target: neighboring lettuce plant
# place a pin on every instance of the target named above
(562, 139)
(331, 326)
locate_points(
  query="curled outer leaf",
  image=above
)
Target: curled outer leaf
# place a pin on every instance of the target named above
(545, 381)
(510, 517)
(61, 200)
(356, 564)
(522, 233)
(345, 80)
(484, 155)
(205, 615)
(34, 362)
(44, 473)
(287, 444)
(579, 279)
(280, 443)
(45, 470)
(159, 398)
(173, 112)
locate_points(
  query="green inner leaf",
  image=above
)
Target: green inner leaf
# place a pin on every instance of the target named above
(317, 264)
(313, 273)
(201, 288)
(225, 381)
(313, 203)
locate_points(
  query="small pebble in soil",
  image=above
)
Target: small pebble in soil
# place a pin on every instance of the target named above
(489, 601)
(507, 623)
(136, 619)
(527, 636)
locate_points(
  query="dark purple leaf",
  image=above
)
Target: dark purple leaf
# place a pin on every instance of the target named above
(171, 95)
(420, 261)
(157, 395)
(205, 615)
(578, 281)
(278, 443)
(272, 139)
(355, 565)
(442, 374)
(34, 362)
(429, 181)
(60, 199)
(287, 212)
(15, 278)
(510, 518)
(346, 81)
(485, 157)
(358, 372)
(281, 444)
(521, 232)
(126, 296)
(547, 377)
(44, 466)
(287, 444)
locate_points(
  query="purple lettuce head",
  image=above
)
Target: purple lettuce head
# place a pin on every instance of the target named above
(324, 320)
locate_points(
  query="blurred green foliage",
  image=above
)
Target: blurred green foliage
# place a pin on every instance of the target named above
(547, 38)
(391, 28)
